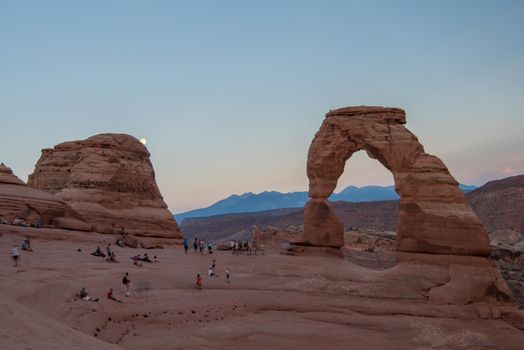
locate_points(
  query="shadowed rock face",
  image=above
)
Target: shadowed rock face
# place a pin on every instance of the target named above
(434, 216)
(36, 207)
(109, 179)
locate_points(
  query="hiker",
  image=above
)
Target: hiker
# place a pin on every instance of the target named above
(195, 245)
(155, 259)
(209, 248)
(254, 247)
(213, 264)
(15, 254)
(26, 245)
(98, 252)
(198, 282)
(232, 246)
(201, 246)
(146, 258)
(85, 296)
(110, 296)
(237, 247)
(126, 282)
(123, 233)
(211, 272)
(108, 250)
(227, 274)
(186, 244)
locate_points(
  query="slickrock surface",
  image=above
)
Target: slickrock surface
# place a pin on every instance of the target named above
(434, 216)
(109, 180)
(273, 301)
(35, 207)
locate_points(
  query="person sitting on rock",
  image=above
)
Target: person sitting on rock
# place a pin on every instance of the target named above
(120, 242)
(3, 221)
(110, 296)
(84, 295)
(211, 272)
(98, 252)
(26, 245)
(135, 260)
(146, 258)
(155, 259)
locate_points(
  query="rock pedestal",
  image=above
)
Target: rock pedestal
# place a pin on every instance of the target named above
(109, 180)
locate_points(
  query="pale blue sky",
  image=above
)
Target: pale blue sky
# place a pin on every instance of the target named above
(230, 93)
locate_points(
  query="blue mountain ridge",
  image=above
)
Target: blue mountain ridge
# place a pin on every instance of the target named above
(252, 202)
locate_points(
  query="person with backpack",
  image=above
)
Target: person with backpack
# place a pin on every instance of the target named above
(127, 282)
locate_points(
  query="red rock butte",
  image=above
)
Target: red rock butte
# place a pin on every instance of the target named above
(434, 216)
(110, 181)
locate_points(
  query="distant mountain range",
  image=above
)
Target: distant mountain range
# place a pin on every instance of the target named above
(251, 202)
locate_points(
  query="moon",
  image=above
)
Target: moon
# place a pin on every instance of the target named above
(143, 141)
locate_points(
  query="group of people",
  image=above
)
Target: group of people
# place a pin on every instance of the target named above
(19, 221)
(211, 272)
(199, 245)
(236, 246)
(138, 258)
(84, 294)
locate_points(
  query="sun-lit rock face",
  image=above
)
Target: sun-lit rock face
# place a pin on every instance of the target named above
(18, 201)
(434, 216)
(109, 179)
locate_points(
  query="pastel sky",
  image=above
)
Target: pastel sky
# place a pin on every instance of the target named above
(229, 94)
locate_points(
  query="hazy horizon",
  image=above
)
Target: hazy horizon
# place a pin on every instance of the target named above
(230, 94)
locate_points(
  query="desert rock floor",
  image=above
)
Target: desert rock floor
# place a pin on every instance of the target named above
(273, 302)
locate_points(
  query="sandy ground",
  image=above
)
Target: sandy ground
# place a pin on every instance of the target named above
(273, 302)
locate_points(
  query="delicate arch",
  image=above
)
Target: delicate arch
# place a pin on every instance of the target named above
(434, 216)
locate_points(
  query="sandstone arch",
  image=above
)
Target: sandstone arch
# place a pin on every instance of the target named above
(434, 216)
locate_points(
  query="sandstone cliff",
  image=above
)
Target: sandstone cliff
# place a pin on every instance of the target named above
(110, 181)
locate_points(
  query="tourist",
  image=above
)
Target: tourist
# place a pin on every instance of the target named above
(254, 247)
(136, 259)
(232, 246)
(123, 233)
(186, 244)
(227, 274)
(126, 282)
(201, 246)
(213, 265)
(15, 255)
(237, 247)
(211, 272)
(198, 282)
(155, 259)
(146, 258)
(195, 245)
(209, 248)
(110, 296)
(3, 221)
(85, 296)
(26, 245)
(108, 250)
(98, 252)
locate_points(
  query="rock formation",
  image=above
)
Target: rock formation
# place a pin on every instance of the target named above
(434, 216)
(35, 207)
(109, 180)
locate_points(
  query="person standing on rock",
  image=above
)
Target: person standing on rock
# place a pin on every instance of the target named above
(127, 282)
(199, 282)
(109, 252)
(15, 255)
(186, 244)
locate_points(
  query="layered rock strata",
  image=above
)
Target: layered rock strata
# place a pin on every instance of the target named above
(18, 201)
(110, 181)
(434, 216)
